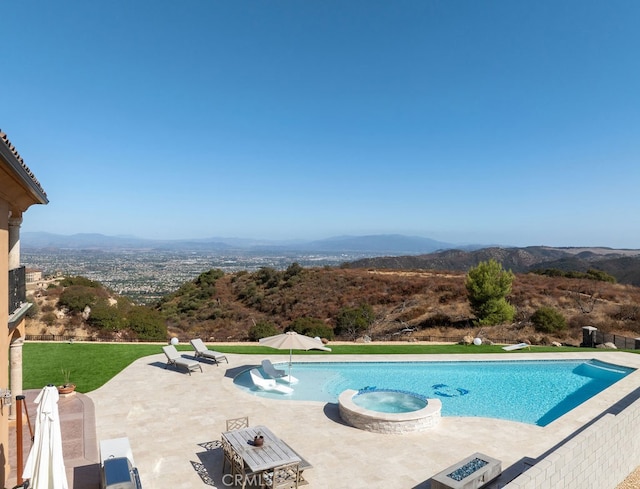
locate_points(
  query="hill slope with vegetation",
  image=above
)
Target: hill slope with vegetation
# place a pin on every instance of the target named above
(624, 265)
(345, 304)
(77, 306)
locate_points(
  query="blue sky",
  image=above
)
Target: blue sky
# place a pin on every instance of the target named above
(505, 122)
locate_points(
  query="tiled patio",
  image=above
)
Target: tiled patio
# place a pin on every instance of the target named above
(173, 421)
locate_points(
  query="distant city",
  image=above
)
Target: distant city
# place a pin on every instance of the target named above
(146, 270)
(147, 275)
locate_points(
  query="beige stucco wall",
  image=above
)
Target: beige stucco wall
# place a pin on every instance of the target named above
(4, 338)
(19, 190)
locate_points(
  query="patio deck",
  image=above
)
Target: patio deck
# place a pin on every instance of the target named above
(174, 420)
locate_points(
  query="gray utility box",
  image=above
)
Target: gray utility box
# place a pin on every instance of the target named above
(117, 469)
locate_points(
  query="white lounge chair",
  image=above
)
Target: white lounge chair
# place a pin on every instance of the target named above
(267, 384)
(177, 360)
(276, 373)
(519, 346)
(203, 352)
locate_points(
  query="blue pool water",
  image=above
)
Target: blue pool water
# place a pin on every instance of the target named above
(389, 401)
(536, 392)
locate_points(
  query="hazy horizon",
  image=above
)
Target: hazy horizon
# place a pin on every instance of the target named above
(502, 122)
(258, 240)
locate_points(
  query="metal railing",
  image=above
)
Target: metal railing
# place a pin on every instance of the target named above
(592, 338)
(17, 288)
(621, 342)
(72, 338)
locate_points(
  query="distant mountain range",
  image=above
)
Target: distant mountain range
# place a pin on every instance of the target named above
(392, 244)
(391, 251)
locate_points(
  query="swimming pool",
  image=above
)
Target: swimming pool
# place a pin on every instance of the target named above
(534, 391)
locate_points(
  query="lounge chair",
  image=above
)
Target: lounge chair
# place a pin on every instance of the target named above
(519, 346)
(203, 352)
(276, 373)
(177, 360)
(268, 384)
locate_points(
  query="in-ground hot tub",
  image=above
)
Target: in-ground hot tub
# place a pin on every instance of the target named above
(388, 411)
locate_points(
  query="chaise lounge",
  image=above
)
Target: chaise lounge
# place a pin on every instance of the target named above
(203, 352)
(177, 360)
(519, 346)
(276, 373)
(268, 384)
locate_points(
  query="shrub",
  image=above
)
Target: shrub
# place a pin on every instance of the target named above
(627, 312)
(77, 297)
(311, 327)
(33, 311)
(147, 323)
(267, 276)
(106, 317)
(437, 320)
(82, 281)
(49, 318)
(548, 320)
(293, 270)
(262, 329)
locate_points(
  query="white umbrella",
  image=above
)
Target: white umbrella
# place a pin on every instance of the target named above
(45, 464)
(293, 341)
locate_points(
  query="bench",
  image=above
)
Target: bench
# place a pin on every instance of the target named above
(472, 472)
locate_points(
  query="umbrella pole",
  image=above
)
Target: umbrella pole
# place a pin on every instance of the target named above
(290, 353)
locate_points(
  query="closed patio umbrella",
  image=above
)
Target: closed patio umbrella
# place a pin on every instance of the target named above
(293, 341)
(45, 464)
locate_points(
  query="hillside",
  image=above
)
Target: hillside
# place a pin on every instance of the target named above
(406, 305)
(624, 265)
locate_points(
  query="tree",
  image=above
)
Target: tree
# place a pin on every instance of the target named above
(352, 321)
(488, 285)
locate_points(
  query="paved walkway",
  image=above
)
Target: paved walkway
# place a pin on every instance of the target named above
(79, 445)
(173, 421)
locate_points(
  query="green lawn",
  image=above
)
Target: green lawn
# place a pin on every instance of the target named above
(93, 364)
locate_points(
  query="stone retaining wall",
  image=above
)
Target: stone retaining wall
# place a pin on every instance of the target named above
(359, 417)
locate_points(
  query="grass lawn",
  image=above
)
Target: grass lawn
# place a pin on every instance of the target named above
(93, 364)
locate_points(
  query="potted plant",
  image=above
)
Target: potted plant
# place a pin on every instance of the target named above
(258, 440)
(67, 387)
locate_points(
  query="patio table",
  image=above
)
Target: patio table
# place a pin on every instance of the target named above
(273, 452)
